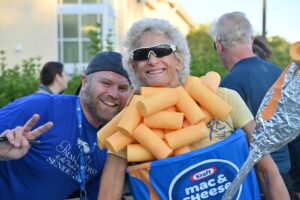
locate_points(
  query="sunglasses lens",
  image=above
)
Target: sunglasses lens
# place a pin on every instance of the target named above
(141, 54)
(158, 51)
(161, 52)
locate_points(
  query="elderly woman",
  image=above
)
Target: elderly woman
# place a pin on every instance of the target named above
(157, 55)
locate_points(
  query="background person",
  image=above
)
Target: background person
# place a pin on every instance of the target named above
(157, 55)
(248, 74)
(68, 158)
(53, 78)
(261, 49)
(294, 147)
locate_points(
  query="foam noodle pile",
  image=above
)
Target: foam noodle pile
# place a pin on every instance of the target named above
(163, 122)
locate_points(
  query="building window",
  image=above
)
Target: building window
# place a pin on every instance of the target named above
(75, 19)
(69, 1)
(90, 1)
(78, 1)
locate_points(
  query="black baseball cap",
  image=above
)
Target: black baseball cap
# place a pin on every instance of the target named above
(105, 61)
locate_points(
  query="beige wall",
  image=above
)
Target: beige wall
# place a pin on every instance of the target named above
(28, 28)
(129, 11)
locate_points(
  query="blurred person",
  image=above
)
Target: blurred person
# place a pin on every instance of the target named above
(261, 49)
(294, 148)
(292, 179)
(67, 158)
(157, 55)
(249, 75)
(53, 78)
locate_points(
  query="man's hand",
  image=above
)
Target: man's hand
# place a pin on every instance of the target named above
(17, 144)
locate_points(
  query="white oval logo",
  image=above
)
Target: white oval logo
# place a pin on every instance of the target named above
(203, 174)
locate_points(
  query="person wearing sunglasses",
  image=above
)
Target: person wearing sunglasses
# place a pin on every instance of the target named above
(250, 74)
(157, 55)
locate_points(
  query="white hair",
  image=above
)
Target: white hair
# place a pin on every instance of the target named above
(158, 26)
(232, 29)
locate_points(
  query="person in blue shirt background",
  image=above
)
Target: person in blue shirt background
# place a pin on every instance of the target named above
(68, 158)
(248, 74)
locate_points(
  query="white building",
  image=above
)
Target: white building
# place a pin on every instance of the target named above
(57, 29)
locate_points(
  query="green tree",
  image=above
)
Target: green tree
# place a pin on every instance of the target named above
(203, 55)
(280, 51)
(96, 44)
(204, 58)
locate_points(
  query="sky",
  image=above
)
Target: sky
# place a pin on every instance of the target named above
(282, 16)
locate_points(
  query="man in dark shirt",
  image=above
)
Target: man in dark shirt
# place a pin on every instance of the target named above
(249, 75)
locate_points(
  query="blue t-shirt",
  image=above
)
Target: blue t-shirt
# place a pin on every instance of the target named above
(251, 78)
(50, 170)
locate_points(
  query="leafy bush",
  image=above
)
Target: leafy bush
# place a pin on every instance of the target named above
(18, 81)
(23, 79)
(73, 84)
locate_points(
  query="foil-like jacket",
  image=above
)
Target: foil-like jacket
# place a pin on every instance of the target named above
(278, 123)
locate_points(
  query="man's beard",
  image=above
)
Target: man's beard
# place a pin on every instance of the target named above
(91, 103)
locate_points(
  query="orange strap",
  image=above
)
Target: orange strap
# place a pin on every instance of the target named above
(141, 172)
(271, 108)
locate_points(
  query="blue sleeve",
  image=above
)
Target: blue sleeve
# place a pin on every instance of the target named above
(19, 111)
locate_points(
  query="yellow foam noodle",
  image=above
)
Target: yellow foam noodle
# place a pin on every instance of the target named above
(185, 123)
(109, 129)
(212, 80)
(157, 102)
(171, 109)
(182, 150)
(208, 116)
(131, 117)
(165, 120)
(151, 142)
(186, 136)
(167, 131)
(190, 81)
(188, 106)
(295, 52)
(149, 91)
(159, 132)
(118, 141)
(138, 153)
(210, 101)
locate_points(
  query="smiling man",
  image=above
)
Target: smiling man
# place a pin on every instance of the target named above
(67, 158)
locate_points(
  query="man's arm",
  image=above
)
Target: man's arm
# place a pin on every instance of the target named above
(268, 174)
(113, 177)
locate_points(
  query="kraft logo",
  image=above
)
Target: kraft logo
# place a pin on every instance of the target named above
(208, 179)
(203, 174)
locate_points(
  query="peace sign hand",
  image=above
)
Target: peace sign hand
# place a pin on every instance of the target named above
(17, 144)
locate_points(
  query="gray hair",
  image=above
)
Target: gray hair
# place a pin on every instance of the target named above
(158, 26)
(232, 29)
